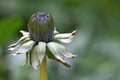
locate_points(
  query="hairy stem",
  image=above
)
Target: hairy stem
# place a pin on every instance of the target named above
(43, 70)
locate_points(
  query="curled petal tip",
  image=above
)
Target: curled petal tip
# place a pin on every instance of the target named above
(64, 63)
(73, 56)
(26, 61)
(73, 33)
(10, 49)
(56, 32)
(24, 64)
(70, 56)
(13, 54)
(24, 32)
(35, 68)
(12, 45)
(67, 65)
(17, 52)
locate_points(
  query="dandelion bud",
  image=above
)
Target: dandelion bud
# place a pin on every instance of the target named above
(41, 27)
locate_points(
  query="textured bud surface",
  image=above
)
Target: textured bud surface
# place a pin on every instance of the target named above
(41, 27)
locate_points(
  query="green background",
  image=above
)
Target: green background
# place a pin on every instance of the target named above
(96, 43)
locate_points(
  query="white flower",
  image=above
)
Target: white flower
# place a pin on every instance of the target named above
(38, 51)
(40, 41)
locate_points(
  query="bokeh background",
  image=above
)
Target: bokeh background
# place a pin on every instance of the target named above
(96, 44)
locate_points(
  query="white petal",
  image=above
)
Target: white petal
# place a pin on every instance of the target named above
(12, 48)
(55, 51)
(26, 60)
(55, 31)
(57, 58)
(26, 47)
(24, 33)
(41, 51)
(14, 54)
(16, 48)
(63, 62)
(59, 50)
(34, 57)
(66, 40)
(19, 41)
(64, 35)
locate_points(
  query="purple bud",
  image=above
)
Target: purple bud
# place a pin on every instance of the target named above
(41, 27)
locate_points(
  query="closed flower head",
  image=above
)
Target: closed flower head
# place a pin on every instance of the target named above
(42, 40)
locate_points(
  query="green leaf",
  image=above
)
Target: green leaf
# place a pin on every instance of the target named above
(8, 27)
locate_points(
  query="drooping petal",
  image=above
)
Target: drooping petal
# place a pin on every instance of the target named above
(58, 52)
(68, 40)
(64, 35)
(16, 46)
(26, 60)
(34, 57)
(58, 49)
(63, 62)
(26, 47)
(19, 41)
(52, 56)
(54, 49)
(13, 54)
(41, 51)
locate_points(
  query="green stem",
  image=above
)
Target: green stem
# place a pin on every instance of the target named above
(43, 70)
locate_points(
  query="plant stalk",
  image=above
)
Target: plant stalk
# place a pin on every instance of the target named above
(43, 70)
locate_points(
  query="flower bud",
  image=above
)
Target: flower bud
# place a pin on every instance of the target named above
(41, 27)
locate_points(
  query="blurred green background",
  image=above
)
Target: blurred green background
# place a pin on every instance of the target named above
(96, 44)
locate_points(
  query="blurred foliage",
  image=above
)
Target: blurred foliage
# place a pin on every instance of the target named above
(8, 27)
(96, 44)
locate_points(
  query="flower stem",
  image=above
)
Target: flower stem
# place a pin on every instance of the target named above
(43, 70)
